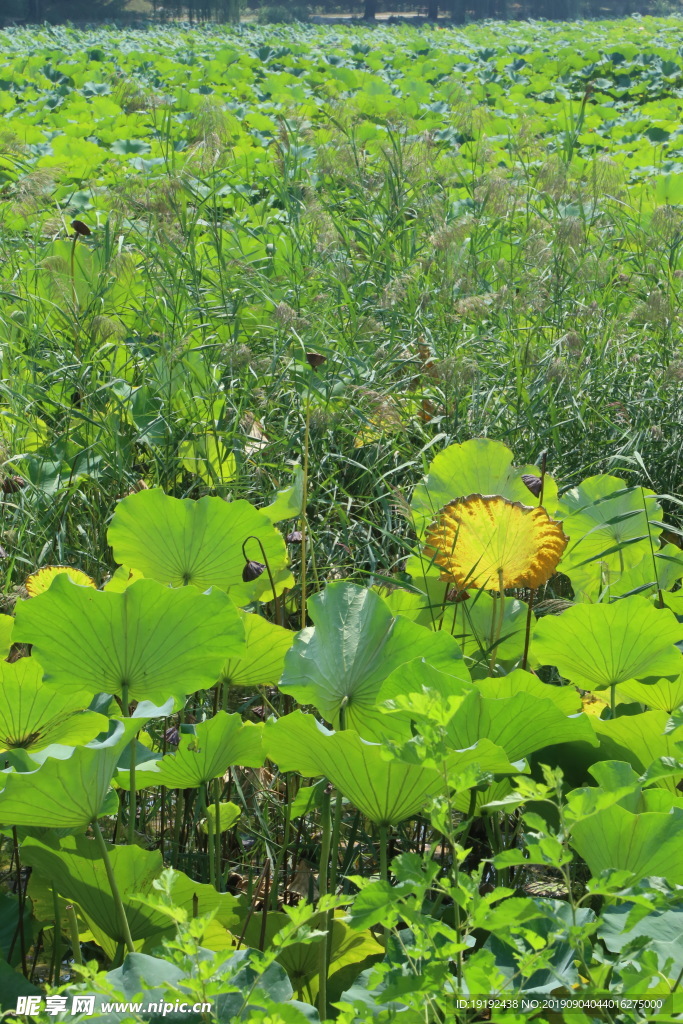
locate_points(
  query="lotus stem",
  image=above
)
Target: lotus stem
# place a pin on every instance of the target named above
(304, 503)
(499, 624)
(72, 922)
(116, 895)
(21, 899)
(323, 878)
(132, 794)
(276, 603)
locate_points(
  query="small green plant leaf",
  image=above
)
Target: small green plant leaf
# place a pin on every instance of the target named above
(263, 662)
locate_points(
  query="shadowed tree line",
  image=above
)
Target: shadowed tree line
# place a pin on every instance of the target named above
(230, 11)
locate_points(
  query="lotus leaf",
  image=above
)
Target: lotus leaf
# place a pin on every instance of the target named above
(150, 639)
(263, 662)
(644, 844)
(664, 695)
(178, 541)
(6, 630)
(74, 869)
(34, 715)
(489, 543)
(386, 790)
(566, 698)
(479, 466)
(608, 527)
(288, 502)
(340, 664)
(349, 948)
(66, 792)
(203, 754)
(639, 740)
(40, 581)
(520, 724)
(602, 645)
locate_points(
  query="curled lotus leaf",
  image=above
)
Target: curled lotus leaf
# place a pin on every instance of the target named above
(483, 541)
(40, 581)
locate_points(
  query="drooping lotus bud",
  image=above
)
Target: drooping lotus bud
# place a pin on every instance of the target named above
(80, 228)
(534, 483)
(294, 537)
(172, 736)
(252, 570)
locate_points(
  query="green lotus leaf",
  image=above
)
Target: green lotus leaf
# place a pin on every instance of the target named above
(263, 663)
(661, 928)
(66, 792)
(479, 466)
(386, 791)
(341, 663)
(639, 740)
(596, 646)
(651, 573)
(74, 868)
(348, 948)
(178, 541)
(203, 754)
(6, 629)
(154, 640)
(664, 695)
(607, 526)
(566, 698)
(520, 724)
(646, 844)
(33, 715)
(228, 813)
(288, 502)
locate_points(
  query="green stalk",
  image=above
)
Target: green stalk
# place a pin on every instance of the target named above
(132, 795)
(116, 895)
(211, 837)
(56, 941)
(322, 889)
(304, 503)
(499, 624)
(74, 937)
(218, 833)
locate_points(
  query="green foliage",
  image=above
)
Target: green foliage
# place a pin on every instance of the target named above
(322, 268)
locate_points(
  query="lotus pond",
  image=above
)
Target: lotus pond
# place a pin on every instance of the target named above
(341, 564)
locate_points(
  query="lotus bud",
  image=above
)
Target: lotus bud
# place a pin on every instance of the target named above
(534, 483)
(294, 537)
(252, 570)
(80, 228)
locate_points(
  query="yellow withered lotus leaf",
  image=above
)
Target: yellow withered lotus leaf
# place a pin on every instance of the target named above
(40, 581)
(473, 539)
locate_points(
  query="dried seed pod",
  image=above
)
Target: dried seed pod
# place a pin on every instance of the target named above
(252, 570)
(534, 483)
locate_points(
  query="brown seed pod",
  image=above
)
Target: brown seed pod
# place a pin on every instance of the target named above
(252, 570)
(534, 483)
(80, 228)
